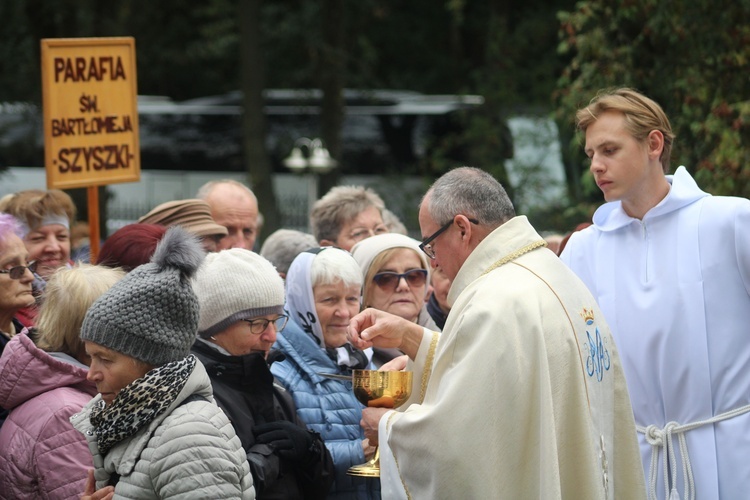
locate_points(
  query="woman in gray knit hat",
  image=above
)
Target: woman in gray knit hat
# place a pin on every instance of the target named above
(154, 430)
(242, 310)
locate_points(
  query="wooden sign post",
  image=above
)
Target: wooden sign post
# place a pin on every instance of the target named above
(90, 107)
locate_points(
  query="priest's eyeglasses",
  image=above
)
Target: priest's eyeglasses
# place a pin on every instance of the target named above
(389, 281)
(17, 272)
(259, 325)
(426, 244)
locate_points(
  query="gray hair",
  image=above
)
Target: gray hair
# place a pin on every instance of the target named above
(471, 192)
(339, 205)
(204, 192)
(333, 265)
(393, 223)
(283, 246)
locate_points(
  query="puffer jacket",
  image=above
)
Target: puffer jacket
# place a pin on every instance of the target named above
(245, 389)
(327, 406)
(189, 451)
(41, 454)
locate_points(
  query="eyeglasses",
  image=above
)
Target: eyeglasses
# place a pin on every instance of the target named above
(258, 326)
(388, 280)
(361, 233)
(17, 272)
(426, 245)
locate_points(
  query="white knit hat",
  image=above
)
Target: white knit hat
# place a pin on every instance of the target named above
(365, 251)
(236, 284)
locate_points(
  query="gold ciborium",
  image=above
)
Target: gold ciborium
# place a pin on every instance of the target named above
(380, 389)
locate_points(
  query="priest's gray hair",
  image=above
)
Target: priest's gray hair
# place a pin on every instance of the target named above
(471, 192)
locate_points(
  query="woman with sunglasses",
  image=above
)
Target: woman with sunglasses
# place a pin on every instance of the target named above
(16, 276)
(323, 294)
(396, 280)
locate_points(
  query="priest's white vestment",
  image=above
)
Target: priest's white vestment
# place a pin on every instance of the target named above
(525, 397)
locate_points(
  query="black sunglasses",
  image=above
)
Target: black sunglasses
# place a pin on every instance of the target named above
(388, 280)
(17, 272)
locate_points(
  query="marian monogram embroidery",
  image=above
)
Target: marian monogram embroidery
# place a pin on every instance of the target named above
(598, 360)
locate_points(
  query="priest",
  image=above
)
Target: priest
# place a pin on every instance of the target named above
(523, 394)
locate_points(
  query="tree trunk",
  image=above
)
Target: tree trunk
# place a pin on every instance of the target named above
(252, 82)
(332, 67)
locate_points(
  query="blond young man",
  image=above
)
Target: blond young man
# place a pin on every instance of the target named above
(670, 267)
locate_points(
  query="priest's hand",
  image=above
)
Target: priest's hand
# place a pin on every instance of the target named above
(370, 420)
(377, 328)
(368, 449)
(397, 364)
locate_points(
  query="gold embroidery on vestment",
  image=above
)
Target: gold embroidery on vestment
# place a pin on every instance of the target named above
(513, 256)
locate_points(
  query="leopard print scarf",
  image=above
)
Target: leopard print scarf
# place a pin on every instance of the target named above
(139, 403)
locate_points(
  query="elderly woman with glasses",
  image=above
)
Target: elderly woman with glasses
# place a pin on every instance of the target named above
(396, 280)
(45, 219)
(16, 276)
(323, 294)
(346, 215)
(241, 313)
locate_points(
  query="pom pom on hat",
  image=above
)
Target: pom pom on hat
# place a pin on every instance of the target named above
(236, 284)
(152, 313)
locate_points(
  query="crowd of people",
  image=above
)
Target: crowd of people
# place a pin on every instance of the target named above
(183, 363)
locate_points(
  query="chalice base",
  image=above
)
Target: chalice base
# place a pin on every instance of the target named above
(371, 468)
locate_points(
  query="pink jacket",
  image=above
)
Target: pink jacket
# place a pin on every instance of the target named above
(41, 454)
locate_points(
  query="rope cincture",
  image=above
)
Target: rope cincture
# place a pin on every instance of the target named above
(662, 438)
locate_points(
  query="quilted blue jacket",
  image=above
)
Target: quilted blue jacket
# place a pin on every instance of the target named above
(327, 406)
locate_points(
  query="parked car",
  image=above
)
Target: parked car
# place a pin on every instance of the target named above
(384, 131)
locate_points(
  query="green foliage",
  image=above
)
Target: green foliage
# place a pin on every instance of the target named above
(185, 49)
(18, 66)
(560, 218)
(726, 165)
(691, 56)
(502, 50)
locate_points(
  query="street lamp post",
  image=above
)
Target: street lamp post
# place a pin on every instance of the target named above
(310, 157)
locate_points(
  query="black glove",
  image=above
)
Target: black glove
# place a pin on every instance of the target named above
(291, 441)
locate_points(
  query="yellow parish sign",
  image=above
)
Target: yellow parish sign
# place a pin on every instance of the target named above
(90, 111)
